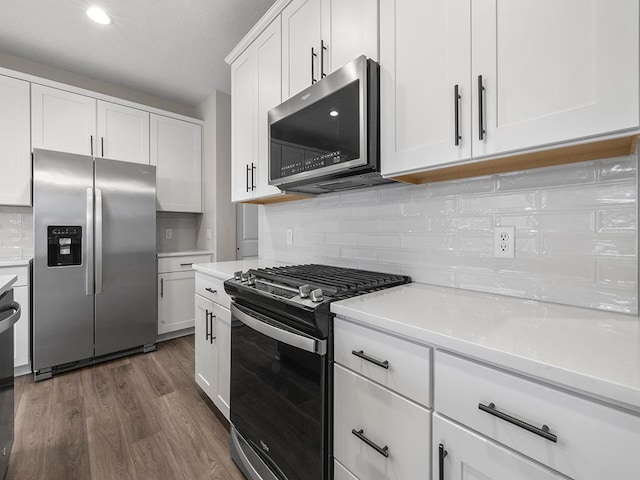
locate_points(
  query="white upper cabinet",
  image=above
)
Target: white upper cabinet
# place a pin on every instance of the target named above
(255, 80)
(301, 49)
(319, 36)
(15, 156)
(123, 133)
(424, 54)
(349, 29)
(554, 71)
(176, 151)
(62, 121)
(529, 73)
(69, 122)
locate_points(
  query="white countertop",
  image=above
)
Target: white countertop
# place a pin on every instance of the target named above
(183, 254)
(225, 270)
(18, 262)
(589, 351)
(6, 282)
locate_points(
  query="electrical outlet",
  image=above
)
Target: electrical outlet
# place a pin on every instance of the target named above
(168, 233)
(504, 242)
(208, 234)
(289, 236)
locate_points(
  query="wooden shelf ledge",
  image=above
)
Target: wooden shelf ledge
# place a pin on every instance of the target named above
(584, 152)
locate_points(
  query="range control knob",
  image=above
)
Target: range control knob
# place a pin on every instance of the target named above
(244, 276)
(304, 291)
(316, 295)
(252, 280)
(238, 275)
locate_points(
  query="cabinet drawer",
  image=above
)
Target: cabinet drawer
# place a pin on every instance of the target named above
(593, 440)
(22, 272)
(213, 289)
(179, 264)
(409, 364)
(387, 420)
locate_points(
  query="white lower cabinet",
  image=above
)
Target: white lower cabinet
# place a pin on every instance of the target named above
(460, 454)
(176, 287)
(21, 330)
(568, 433)
(382, 391)
(213, 341)
(378, 435)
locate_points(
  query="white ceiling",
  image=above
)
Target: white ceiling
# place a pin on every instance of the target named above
(173, 49)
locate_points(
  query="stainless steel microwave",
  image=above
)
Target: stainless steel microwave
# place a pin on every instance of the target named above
(326, 138)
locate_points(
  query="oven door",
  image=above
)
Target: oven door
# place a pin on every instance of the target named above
(278, 398)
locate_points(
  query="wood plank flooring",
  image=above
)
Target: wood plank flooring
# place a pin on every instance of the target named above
(140, 417)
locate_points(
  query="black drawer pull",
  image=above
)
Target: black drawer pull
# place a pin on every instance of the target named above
(384, 451)
(442, 453)
(366, 357)
(211, 290)
(542, 432)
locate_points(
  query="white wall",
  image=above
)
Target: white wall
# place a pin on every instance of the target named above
(576, 232)
(218, 211)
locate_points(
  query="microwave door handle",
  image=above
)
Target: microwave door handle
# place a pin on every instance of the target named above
(293, 339)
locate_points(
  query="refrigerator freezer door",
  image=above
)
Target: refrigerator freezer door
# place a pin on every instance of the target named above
(62, 302)
(125, 256)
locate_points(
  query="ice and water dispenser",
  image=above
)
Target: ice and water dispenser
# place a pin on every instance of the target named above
(64, 246)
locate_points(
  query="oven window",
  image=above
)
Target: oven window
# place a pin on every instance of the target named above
(277, 402)
(324, 133)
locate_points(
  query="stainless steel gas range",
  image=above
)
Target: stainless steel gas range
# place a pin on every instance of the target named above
(282, 366)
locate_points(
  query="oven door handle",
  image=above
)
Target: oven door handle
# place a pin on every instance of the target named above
(10, 321)
(302, 342)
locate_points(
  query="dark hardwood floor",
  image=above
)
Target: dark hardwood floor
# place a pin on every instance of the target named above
(140, 417)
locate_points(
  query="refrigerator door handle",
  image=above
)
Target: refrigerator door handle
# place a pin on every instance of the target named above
(98, 241)
(89, 248)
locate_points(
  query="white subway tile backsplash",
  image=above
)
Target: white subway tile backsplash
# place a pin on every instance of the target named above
(16, 233)
(510, 202)
(576, 232)
(617, 220)
(577, 197)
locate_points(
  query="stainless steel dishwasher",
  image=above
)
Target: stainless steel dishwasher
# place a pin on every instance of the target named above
(9, 315)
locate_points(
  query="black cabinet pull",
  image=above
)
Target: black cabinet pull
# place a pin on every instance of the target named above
(91, 139)
(456, 114)
(102, 146)
(442, 453)
(313, 59)
(247, 177)
(162, 288)
(384, 451)
(206, 325)
(542, 432)
(366, 357)
(253, 183)
(211, 290)
(323, 48)
(211, 337)
(481, 108)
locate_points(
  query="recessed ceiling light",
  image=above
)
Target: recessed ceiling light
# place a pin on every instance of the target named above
(99, 16)
(334, 113)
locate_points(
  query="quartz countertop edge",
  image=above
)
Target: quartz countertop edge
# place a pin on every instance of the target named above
(6, 282)
(587, 351)
(20, 262)
(183, 254)
(225, 270)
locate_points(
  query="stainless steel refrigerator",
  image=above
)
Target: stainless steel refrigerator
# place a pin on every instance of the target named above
(94, 267)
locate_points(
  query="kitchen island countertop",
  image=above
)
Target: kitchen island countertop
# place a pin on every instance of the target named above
(588, 351)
